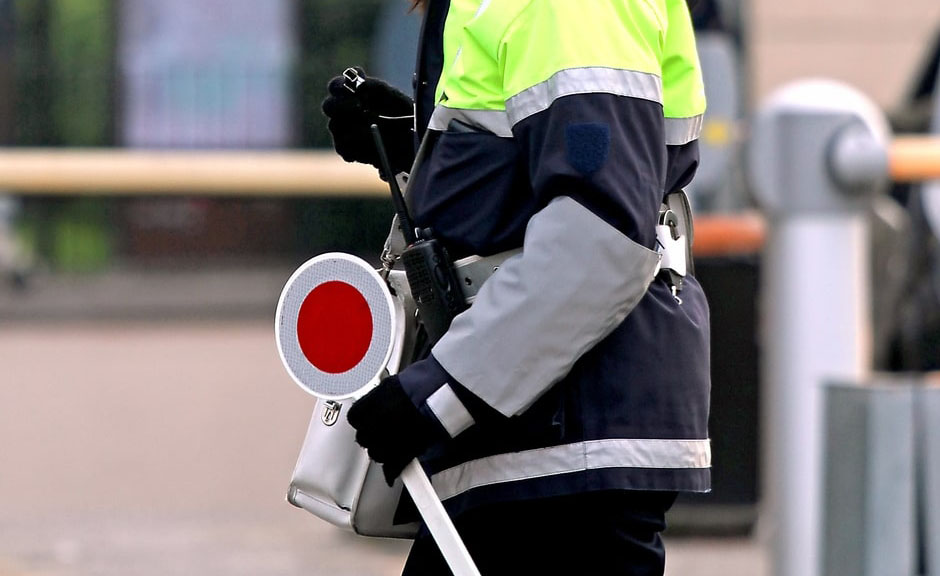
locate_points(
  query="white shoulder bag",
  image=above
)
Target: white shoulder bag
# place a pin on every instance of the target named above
(334, 479)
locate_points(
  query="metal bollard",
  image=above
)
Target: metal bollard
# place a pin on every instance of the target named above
(869, 520)
(928, 419)
(815, 289)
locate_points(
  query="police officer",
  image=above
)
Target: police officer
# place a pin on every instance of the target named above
(561, 414)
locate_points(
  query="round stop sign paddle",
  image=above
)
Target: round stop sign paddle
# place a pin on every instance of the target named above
(334, 325)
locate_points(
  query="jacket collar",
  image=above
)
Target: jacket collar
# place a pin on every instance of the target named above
(430, 63)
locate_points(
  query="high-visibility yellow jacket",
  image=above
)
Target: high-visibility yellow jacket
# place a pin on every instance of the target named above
(559, 126)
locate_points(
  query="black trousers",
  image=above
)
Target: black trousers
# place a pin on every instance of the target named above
(610, 532)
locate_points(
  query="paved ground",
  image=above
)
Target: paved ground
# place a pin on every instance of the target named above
(161, 443)
(123, 545)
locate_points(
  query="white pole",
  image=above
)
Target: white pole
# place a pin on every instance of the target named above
(818, 155)
(817, 330)
(437, 520)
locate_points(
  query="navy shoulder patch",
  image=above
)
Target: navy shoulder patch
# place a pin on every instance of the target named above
(587, 146)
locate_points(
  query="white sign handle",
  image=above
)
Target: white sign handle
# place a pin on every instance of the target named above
(437, 520)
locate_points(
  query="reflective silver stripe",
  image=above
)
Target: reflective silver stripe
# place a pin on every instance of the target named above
(483, 6)
(681, 131)
(582, 81)
(450, 411)
(590, 455)
(576, 280)
(495, 121)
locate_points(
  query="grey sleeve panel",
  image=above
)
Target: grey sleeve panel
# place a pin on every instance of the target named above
(575, 281)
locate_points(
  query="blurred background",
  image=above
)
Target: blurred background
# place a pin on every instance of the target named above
(146, 425)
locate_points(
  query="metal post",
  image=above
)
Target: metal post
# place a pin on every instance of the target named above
(804, 163)
(869, 523)
(928, 417)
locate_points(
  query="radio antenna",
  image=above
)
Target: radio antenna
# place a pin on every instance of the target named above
(398, 199)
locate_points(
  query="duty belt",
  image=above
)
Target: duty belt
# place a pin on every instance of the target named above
(474, 270)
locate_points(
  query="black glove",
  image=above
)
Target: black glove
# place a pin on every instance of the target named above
(390, 427)
(374, 102)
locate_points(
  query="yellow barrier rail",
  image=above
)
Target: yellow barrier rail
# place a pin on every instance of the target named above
(125, 172)
(915, 158)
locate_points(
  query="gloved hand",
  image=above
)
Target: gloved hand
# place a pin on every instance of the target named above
(390, 427)
(374, 102)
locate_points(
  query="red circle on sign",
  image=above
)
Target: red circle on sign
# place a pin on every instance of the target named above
(334, 327)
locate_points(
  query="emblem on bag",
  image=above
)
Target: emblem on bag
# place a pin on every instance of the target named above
(331, 412)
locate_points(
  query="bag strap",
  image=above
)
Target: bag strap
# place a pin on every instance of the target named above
(395, 242)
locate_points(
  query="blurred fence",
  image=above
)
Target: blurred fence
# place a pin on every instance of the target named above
(174, 74)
